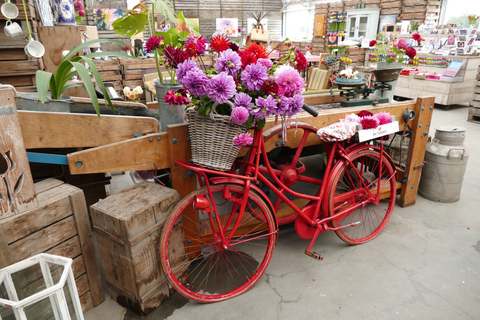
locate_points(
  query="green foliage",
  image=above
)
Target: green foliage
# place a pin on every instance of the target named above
(57, 82)
(165, 7)
(131, 24)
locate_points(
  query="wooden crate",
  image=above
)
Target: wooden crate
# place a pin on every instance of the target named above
(473, 114)
(60, 226)
(128, 226)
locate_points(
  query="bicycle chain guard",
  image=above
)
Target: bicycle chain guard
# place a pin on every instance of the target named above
(303, 229)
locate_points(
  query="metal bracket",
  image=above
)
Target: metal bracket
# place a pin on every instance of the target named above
(420, 166)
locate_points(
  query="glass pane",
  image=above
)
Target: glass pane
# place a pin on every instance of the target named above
(41, 310)
(6, 313)
(363, 24)
(70, 302)
(28, 281)
(351, 31)
(3, 291)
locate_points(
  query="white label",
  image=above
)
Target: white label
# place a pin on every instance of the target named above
(380, 131)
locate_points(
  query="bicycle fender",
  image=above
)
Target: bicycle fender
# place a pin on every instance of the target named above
(220, 180)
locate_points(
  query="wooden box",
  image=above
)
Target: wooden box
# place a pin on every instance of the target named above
(128, 227)
(60, 226)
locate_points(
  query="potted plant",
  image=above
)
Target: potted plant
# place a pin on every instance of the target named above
(169, 48)
(50, 87)
(243, 88)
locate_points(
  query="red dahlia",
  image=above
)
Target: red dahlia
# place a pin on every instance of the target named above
(174, 56)
(247, 58)
(365, 113)
(270, 87)
(417, 37)
(411, 52)
(176, 98)
(372, 43)
(301, 61)
(219, 43)
(257, 50)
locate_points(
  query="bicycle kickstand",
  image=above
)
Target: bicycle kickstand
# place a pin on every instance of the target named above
(311, 254)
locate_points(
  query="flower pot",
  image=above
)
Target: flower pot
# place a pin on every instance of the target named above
(381, 65)
(168, 114)
(30, 101)
(385, 75)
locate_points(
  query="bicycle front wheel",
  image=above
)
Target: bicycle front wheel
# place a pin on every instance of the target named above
(346, 190)
(206, 267)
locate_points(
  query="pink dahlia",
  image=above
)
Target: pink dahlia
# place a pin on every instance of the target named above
(243, 139)
(402, 44)
(265, 62)
(289, 82)
(369, 122)
(78, 5)
(383, 117)
(240, 115)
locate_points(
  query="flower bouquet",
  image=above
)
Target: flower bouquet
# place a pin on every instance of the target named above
(332, 62)
(391, 53)
(133, 94)
(243, 89)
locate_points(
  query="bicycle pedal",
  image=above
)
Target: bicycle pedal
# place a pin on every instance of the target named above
(314, 255)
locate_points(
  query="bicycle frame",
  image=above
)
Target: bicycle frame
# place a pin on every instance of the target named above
(253, 172)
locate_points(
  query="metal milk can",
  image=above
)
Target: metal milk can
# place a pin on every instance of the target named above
(446, 160)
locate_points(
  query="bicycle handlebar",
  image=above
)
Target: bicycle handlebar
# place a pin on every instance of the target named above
(310, 110)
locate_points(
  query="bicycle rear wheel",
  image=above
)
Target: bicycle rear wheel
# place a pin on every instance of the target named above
(347, 190)
(201, 265)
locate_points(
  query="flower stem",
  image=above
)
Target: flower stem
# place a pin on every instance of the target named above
(158, 66)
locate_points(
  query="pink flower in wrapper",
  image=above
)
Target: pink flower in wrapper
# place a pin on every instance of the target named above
(78, 5)
(369, 122)
(243, 139)
(240, 115)
(81, 13)
(383, 118)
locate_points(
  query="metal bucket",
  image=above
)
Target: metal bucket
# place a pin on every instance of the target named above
(31, 102)
(446, 160)
(168, 114)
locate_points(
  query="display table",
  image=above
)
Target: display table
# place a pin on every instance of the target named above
(445, 92)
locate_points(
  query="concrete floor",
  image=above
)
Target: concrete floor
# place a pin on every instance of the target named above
(425, 265)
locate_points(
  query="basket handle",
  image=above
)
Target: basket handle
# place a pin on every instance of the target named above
(214, 107)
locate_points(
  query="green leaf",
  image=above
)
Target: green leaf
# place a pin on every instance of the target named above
(98, 79)
(165, 7)
(131, 25)
(82, 46)
(249, 122)
(261, 123)
(87, 82)
(42, 79)
(110, 54)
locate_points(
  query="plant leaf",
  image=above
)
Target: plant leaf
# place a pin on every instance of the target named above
(165, 7)
(82, 46)
(131, 25)
(99, 81)
(42, 80)
(87, 82)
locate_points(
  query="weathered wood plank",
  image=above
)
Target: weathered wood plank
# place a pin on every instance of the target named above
(423, 110)
(17, 189)
(84, 232)
(69, 130)
(43, 240)
(142, 154)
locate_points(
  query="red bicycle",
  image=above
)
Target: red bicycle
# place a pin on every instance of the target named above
(219, 239)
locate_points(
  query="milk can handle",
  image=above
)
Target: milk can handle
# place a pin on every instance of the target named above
(448, 154)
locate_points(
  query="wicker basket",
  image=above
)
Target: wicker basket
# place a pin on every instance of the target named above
(212, 139)
(334, 66)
